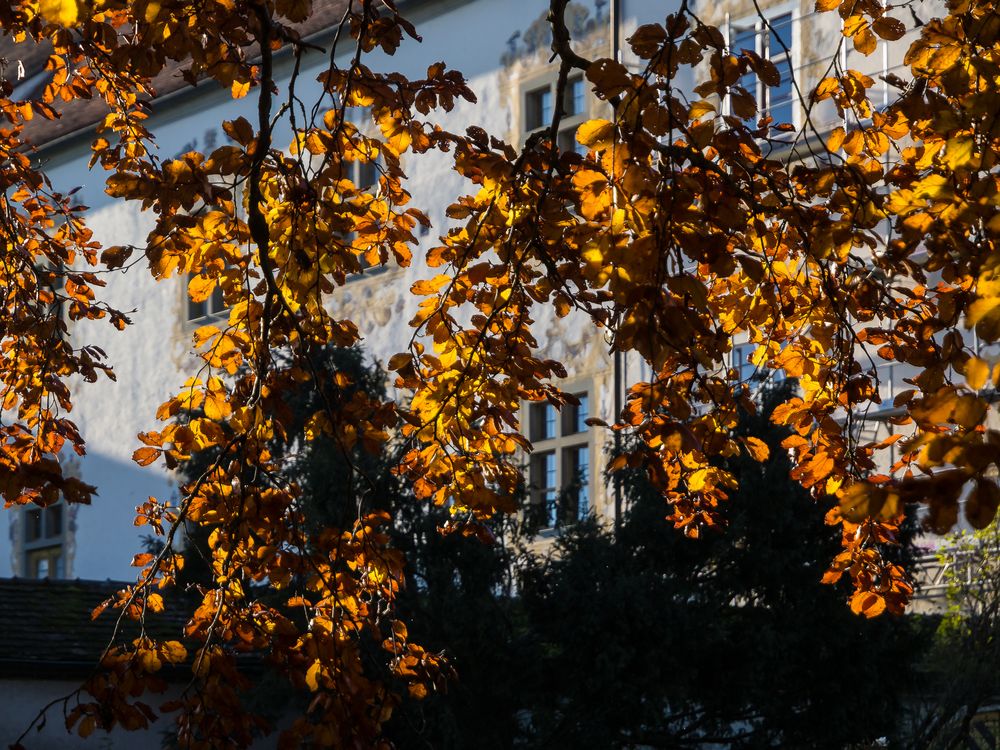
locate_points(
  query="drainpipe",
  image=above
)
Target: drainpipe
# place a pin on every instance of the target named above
(614, 13)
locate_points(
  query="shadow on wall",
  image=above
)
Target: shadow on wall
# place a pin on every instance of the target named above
(105, 538)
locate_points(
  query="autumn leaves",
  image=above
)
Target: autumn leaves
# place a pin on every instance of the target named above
(675, 235)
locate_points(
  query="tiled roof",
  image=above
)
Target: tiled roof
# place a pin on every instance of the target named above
(47, 629)
(81, 114)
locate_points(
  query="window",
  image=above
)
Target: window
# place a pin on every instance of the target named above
(44, 533)
(772, 41)
(538, 112)
(545, 484)
(575, 416)
(559, 469)
(577, 473)
(747, 371)
(212, 307)
(543, 422)
(365, 176)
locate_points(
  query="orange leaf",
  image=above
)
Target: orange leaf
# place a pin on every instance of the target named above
(145, 456)
(757, 448)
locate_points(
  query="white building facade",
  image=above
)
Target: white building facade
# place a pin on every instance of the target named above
(503, 50)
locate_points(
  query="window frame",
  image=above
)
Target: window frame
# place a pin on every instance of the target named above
(48, 546)
(210, 314)
(569, 123)
(357, 170)
(563, 448)
(762, 35)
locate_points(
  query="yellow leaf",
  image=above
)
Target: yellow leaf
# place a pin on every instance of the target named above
(696, 482)
(174, 652)
(240, 89)
(984, 314)
(429, 286)
(418, 690)
(216, 406)
(399, 361)
(757, 448)
(836, 139)
(62, 12)
(825, 89)
(611, 78)
(976, 373)
(201, 287)
(959, 152)
(700, 108)
(86, 727)
(854, 142)
(865, 41)
(596, 134)
(863, 500)
(203, 334)
(970, 411)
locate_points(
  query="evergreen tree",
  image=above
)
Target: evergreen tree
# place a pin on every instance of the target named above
(729, 640)
(646, 638)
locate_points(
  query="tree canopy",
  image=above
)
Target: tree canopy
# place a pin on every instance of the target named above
(676, 233)
(723, 641)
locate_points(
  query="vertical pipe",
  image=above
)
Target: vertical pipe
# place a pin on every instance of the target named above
(614, 13)
(726, 103)
(843, 61)
(885, 73)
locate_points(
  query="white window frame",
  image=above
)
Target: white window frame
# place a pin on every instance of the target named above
(51, 543)
(761, 41)
(562, 446)
(356, 174)
(214, 306)
(569, 123)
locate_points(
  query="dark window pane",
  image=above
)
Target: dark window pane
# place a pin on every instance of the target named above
(580, 479)
(367, 175)
(551, 490)
(53, 521)
(783, 89)
(538, 109)
(741, 361)
(544, 489)
(780, 35)
(782, 111)
(575, 417)
(48, 562)
(216, 302)
(33, 525)
(744, 39)
(543, 422)
(781, 97)
(196, 309)
(573, 98)
(568, 142)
